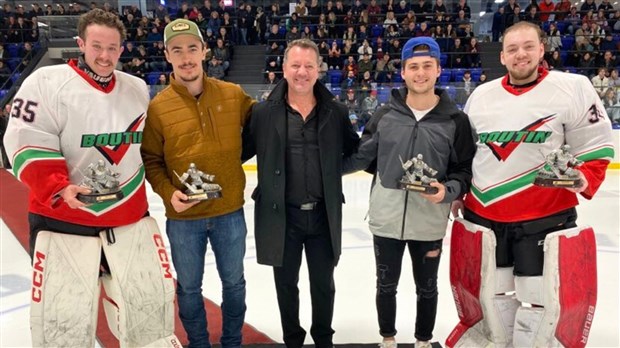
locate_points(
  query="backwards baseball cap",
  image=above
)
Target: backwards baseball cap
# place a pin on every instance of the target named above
(433, 48)
(181, 27)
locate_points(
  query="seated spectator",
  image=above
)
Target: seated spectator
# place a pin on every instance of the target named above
(410, 30)
(349, 48)
(365, 85)
(350, 34)
(562, 9)
(423, 30)
(221, 52)
(609, 98)
(350, 100)
(464, 88)
(391, 33)
(307, 33)
(157, 57)
(554, 39)
(141, 36)
(294, 21)
(324, 50)
(334, 60)
(274, 37)
(293, 35)
(323, 68)
(532, 16)
(215, 69)
(457, 55)
(5, 73)
(369, 106)
(600, 82)
(154, 35)
(127, 55)
(26, 53)
(364, 49)
(349, 82)
(137, 68)
(608, 62)
(587, 65)
(614, 80)
(554, 61)
(389, 20)
(546, 9)
(350, 65)
(365, 65)
(473, 54)
(210, 37)
(354, 121)
(384, 69)
(483, 78)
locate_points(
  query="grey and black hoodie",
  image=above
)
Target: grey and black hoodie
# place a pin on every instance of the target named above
(445, 139)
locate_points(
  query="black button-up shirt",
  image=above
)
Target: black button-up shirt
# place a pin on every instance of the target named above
(304, 182)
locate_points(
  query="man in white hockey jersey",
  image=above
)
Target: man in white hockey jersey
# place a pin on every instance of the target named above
(521, 237)
(63, 119)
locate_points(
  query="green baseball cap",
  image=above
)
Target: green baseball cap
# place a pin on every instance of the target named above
(181, 27)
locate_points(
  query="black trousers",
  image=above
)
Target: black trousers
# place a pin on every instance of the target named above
(388, 257)
(307, 229)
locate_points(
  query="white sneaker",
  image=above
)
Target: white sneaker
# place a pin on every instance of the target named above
(388, 344)
(423, 344)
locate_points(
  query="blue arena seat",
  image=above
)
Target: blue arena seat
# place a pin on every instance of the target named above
(446, 75)
(567, 42)
(152, 77)
(335, 77)
(13, 49)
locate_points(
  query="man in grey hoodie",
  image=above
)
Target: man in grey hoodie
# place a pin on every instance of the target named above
(418, 119)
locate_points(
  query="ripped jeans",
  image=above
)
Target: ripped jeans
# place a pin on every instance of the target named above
(388, 259)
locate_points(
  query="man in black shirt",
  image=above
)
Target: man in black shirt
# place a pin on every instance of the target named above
(299, 136)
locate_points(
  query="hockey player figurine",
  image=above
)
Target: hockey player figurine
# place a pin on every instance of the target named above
(102, 182)
(201, 186)
(414, 178)
(558, 169)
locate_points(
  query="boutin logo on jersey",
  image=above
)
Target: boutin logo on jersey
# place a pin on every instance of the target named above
(114, 146)
(510, 140)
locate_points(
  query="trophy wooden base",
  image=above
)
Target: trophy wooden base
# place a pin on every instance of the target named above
(203, 195)
(93, 198)
(417, 186)
(557, 182)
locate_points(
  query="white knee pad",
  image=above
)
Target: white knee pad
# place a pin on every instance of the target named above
(65, 290)
(486, 314)
(567, 291)
(140, 290)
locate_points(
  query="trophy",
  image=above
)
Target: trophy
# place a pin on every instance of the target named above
(200, 186)
(558, 170)
(102, 182)
(414, 178)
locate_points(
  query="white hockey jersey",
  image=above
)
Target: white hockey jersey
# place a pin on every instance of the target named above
(517, 128)
(62, 121)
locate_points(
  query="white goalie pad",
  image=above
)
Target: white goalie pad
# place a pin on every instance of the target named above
(65, 290)
(486, 314)
(140, 289)
(567, 291)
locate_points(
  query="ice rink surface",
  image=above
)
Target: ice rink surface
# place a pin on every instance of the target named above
(355, 315)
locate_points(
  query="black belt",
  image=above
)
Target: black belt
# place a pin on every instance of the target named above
(306, 206)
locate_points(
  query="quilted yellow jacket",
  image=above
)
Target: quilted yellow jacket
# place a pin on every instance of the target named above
(181, 129)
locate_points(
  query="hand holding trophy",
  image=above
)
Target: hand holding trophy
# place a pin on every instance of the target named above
(414, 178)
(102, 182)
(201, 186)
(559, 170)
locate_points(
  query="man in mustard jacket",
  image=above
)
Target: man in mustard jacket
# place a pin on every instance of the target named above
(199, 120)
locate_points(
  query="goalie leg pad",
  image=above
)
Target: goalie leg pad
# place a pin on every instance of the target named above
(65, 290)
(140, 289)
(568, 289)
(485, 317)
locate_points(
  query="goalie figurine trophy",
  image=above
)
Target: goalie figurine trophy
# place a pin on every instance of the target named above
(414, 178)
(201, 186)
(102, 182)
(558, 170)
